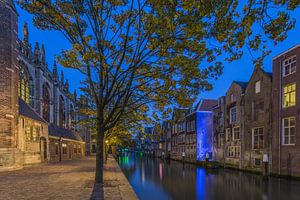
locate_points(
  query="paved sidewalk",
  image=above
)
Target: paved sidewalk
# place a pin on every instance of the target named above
(116, 185)
(68, 180)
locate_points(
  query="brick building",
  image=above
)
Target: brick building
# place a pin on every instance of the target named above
(219, 129)
(257, 120)
(31, 98)
(234, 123)
(178, 133)
(286, 113)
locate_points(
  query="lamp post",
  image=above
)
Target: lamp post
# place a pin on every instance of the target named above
(106, 150)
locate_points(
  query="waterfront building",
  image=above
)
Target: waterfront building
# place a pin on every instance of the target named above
(286, 109)
(199, 130)
(234, 123)
(219, 130)
(38, 119)
(151, 140)
(165, 140)
(257, 120)
(178, 133)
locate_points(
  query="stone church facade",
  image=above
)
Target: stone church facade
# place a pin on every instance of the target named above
(37, 111)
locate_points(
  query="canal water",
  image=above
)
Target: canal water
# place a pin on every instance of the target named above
(155, 179)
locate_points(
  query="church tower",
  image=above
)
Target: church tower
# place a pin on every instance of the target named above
(10, 155)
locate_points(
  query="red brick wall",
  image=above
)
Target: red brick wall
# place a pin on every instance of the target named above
(285, 159)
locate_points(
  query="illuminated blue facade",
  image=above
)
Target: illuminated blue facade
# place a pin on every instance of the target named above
(204, 131)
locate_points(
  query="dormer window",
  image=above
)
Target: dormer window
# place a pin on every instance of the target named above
(289, 66)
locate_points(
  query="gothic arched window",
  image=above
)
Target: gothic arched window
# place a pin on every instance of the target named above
(46, 102)
(62, 112)
(23, 85)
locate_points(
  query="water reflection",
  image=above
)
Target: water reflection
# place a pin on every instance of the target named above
(163, 180)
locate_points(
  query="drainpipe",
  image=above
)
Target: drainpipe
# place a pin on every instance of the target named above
(60, 149)
(242, 130)
(280, 120)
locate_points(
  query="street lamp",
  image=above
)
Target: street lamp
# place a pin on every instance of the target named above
(106, 150)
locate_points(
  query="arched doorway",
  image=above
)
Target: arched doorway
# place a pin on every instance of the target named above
(43, 149)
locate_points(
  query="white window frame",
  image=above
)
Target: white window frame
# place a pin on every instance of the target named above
(233, 133)
(258, 142)
(231, 114)
(287, 63)
(257, 87)
(289, 129)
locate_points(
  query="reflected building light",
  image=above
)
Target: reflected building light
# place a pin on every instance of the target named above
(160, 171)
(143, 175)
(204, 128)
(200, 183)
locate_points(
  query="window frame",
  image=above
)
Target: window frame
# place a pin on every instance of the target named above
(231, 114)
(289, 65)
(289, 93)
(258, 137)
(233, 133)
(289, 128)
(257, 87)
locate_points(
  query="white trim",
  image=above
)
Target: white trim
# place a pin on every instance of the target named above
(290, 49)
(65, 139)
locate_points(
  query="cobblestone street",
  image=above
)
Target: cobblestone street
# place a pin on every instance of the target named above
(66, 180)
(69, 180)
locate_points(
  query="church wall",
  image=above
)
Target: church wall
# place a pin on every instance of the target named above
(33, 146)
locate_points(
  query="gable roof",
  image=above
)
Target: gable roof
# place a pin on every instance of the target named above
(270, 74)
(243, 84)
(64, 133)
(27, 111)
(206, 104)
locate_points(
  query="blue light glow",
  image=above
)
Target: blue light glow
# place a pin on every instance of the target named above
(204, 123)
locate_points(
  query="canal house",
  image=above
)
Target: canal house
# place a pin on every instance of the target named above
(199, 130)
(234, 124)
(257, 120)
(286, 113)
(219, 130)
(178, 133)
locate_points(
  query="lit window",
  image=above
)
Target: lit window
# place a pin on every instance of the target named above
(257, 138)
(28, 133)
(64, 148)
(289, 95)
(23, 85)
(289, 66)
(75, 149)
(56, 148)
(289, 130)
(233, 116)
(34, 135)
(257, 87)
(236, 133)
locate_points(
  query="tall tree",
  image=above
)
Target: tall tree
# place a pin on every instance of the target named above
(154, 52)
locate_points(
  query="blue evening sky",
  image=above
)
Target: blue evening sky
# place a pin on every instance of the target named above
(238, 70)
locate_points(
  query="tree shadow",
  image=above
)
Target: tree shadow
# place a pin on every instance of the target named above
(98, 192)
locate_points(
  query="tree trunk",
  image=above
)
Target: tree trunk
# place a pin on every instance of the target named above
(99, 150)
